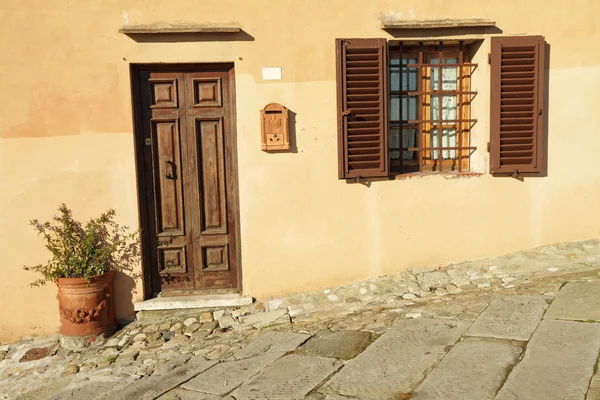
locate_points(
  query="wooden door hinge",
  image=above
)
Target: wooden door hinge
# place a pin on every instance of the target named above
(488, 147)
(489, 58)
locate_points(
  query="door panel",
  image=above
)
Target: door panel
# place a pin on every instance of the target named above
(163, 93)
(190, 178)
(209, 134)
(166, 161)
(207, 92)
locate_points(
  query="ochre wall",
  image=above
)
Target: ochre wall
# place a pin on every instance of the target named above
(66, 136)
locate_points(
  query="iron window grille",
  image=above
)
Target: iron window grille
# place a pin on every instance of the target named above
(429, 108)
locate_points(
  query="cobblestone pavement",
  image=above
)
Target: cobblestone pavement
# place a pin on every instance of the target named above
(518, 326)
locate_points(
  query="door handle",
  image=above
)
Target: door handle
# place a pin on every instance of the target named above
(170, 169)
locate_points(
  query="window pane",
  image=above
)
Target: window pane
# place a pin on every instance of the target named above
(448, 140)
(409, 108)
(395, 74)
(395, 109)
(449, 75)
(409, 75)
(409, 138)
(395, 143)
(449, 107)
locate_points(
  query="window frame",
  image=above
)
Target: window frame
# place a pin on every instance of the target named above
(424, 94)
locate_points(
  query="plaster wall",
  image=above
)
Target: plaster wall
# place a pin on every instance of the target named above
(66, 135)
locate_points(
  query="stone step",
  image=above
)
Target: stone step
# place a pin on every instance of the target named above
(185, 302)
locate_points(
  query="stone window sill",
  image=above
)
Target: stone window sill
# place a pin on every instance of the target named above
(438, 23)
(445, 175)
(164, 28)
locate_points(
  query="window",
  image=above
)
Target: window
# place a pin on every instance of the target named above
(405, 107)
(429, 118)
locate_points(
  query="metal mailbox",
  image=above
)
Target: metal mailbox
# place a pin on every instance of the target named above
(274, 128)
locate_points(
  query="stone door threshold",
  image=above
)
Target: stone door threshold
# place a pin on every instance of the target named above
(200, 301)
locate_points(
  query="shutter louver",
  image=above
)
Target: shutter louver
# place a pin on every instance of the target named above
(362, 108)
(517, 99)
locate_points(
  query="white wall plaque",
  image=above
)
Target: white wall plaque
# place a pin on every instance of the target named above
(271, 73)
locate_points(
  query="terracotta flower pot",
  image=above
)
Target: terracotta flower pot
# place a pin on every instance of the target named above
(86, 308)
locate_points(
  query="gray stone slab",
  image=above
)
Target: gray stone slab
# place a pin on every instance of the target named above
(156, 385)
(558, 363)
(226, 376)
(271, 341)
(474, 369)
(289, 378)
(321, 396)
(182, 394)
(262, 319)
(91, 389)
(396, 362)
(344, 345)
(510, 317)
(46, 391)
(576, 301)
(594, 389)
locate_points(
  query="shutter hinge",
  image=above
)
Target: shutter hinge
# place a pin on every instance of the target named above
(488, 147)
(489, 58)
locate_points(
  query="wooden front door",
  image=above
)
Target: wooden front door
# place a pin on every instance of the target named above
(188, 192)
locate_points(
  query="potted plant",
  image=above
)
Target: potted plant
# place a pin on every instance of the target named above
(83, 264)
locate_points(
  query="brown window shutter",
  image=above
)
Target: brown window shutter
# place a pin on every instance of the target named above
(517, 99)
(362, 108)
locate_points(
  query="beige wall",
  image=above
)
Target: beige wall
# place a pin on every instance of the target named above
(66, 135)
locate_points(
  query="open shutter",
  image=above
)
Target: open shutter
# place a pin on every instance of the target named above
(517, 99)
(362, 108)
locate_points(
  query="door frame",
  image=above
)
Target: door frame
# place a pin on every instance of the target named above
(141, 179)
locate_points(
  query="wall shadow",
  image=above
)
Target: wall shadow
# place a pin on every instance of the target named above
(124, 289)
(127, 264)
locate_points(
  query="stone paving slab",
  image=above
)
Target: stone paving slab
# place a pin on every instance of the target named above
(86, 390)
(46, 391)
(594, 389)
(279, 342)
(577, 301)
(396, 362)
(289, 378)
(474, 369)
(558, 363)
(226, 376)
(321, 396)
(510, 317)
(182, 394)
(155, 386)
(343, 345)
